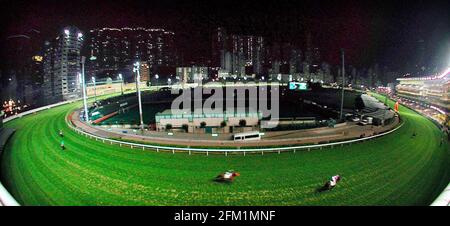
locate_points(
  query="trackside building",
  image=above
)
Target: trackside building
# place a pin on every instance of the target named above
(211, 122)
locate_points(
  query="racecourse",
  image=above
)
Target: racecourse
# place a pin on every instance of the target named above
(396, 169)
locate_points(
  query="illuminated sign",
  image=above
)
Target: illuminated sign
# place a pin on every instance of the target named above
(298, 86)
(37, 58)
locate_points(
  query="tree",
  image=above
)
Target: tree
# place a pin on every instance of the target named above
(202, 124)
(242, 123)
(168, 127)
(185, 127)
(223, 124)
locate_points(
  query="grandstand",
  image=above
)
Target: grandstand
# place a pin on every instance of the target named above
(433, 90)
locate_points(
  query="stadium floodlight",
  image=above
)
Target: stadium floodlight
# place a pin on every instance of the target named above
(86, 115)
(138, 78)
(121, 83)
(343, 83)
(95, 89)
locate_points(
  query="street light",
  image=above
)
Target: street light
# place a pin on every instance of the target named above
(121, 83)
(95, 90)
(138, 77)
(86, 115)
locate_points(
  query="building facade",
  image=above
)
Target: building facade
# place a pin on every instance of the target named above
(433, 90)
(223, 122)
(237, 54)
(114, 49)
(192, 74)
(62, 69)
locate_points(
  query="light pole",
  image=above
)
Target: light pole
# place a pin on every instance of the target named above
(157, 77)
(121, 83)
(138, 77)
(95, 90)
(86, 115)
(343, 83)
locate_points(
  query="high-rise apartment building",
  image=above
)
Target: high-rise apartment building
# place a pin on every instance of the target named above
(113, 49)
(234, 53)
(62, 66)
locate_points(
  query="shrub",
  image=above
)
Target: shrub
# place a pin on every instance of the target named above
(185, 127)
(168, 127)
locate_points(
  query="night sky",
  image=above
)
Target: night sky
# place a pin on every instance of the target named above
(384, 32)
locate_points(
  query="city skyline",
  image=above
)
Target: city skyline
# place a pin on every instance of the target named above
(330, 23)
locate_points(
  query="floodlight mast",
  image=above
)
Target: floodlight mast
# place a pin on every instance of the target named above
(343, 84)
(121, 83)
(138, 77)
(86, 115)
(95, 89)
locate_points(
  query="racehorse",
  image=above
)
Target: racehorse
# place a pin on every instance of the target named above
(330, 184)
(228, 176)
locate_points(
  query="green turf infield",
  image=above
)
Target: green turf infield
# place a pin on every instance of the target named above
(392, 170)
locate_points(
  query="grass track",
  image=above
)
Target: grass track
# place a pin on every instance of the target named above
(391, 170)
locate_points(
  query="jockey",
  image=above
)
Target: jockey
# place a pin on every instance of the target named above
(227, 175)
(334, 180)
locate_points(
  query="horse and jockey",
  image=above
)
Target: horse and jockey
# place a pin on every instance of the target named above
(330, 184)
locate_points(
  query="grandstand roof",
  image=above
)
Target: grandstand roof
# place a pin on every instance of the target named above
(446, 73)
